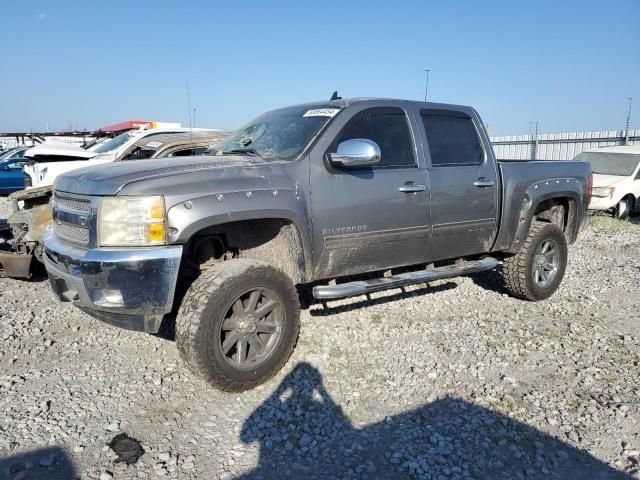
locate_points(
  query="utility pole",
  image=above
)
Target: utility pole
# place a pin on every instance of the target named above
(426, 86)
(534, 140)
(626, 128)
(535, 147)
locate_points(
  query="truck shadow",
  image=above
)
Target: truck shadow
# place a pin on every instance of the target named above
(303, 433)
(490, 280)
(43, 464)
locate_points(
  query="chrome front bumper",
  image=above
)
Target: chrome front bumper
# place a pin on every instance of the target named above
(129, 288)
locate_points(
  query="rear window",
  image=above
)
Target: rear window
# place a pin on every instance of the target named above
(452, 138)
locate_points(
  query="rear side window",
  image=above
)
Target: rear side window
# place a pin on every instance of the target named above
(140, 153)
(188, 152)
(389, 128)
(452, 138)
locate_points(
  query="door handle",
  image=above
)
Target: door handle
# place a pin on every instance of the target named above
(412, 188)
(484, 183)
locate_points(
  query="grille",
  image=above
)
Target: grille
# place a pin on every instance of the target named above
(71, 232)
(74, 204)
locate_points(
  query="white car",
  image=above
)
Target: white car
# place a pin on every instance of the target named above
(616, 179)
(51, 161)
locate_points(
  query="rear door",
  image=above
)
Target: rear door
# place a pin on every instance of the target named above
(464, 184)
(369, 218)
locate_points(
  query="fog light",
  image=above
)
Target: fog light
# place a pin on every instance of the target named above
(110, 298)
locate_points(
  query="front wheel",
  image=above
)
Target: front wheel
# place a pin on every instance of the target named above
(535, 272)
(623, 208)
(238, 324)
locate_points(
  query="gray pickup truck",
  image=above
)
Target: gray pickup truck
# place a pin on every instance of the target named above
(335, 198)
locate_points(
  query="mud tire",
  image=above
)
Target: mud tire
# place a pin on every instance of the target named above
(204, 308)
(517, 269)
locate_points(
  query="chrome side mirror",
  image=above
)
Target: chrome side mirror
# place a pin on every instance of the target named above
(358, 152)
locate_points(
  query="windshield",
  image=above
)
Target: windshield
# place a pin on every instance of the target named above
(621, 164)
(281, 134)
(114, 143)
(7, 154)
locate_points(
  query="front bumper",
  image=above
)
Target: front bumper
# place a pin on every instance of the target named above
(601, 203)
(129, 288)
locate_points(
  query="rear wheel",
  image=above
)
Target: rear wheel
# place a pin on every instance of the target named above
(238, 324)
(535, 272)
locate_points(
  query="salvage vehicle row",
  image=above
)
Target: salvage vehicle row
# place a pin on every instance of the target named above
(21, 249)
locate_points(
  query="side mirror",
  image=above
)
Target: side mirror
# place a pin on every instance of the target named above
(358, 152)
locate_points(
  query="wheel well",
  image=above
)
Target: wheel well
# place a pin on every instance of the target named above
(273, 240)
(630, 196)
(560, 211)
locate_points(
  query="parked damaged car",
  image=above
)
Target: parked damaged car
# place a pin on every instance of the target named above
(616, 179)
(21, 234)
(11, 164)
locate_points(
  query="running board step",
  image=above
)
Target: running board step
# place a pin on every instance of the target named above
(361, 287)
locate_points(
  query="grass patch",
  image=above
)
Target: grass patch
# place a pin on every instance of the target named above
(603, 222)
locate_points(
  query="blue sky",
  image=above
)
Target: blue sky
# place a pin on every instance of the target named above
(569, 65)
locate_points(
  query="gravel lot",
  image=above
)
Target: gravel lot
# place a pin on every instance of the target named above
(450, 380)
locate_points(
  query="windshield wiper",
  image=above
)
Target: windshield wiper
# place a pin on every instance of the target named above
(241, 151)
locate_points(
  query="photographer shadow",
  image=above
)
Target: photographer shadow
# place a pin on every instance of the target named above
(304, 434)
(51, 463)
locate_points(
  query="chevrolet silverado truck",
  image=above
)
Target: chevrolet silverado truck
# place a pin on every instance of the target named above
(336, 198)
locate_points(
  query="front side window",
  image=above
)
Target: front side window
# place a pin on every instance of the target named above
(281, 134)
(452, 138)
(389, 128)
(15, 165)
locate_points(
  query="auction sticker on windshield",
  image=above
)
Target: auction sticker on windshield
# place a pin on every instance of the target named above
(321, 112)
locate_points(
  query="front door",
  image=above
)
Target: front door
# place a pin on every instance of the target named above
(464, 185)
(373, 218)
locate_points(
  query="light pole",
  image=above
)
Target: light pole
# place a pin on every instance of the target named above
(534, 140)
(626, 130)
(426, 86)
(194, 117)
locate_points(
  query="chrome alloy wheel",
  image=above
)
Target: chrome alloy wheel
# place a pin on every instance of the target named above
(545, 263)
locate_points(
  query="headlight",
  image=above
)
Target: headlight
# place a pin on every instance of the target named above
(603, 192)
(131, 221)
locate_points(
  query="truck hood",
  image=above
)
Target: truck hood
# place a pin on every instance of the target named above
(162, 176)
(601, 180)
(58, 150)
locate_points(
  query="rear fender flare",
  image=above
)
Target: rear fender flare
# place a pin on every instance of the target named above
(557, 188)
